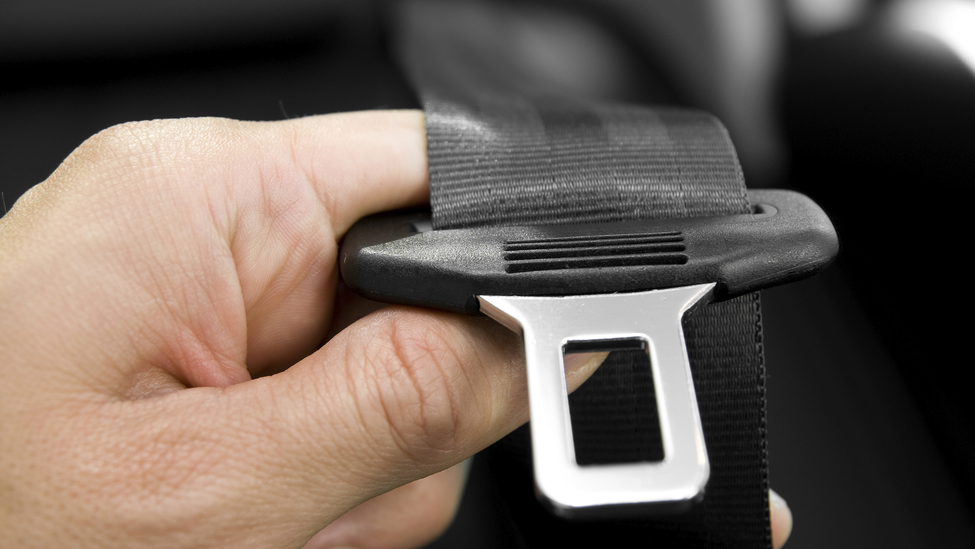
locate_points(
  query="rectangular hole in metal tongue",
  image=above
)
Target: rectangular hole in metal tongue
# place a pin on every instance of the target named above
(623, 390)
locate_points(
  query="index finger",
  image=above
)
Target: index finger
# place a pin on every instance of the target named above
(363, 163)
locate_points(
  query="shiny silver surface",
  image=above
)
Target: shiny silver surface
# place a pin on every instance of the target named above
(547, 325)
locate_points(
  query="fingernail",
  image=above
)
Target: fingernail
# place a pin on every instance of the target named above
(781, 517)
(579, 366)
(775, 500)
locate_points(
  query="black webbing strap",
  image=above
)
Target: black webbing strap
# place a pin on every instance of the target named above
(499, 156)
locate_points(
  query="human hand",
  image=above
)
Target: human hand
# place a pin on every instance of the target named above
(166, 265)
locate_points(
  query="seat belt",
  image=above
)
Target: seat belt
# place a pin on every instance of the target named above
(502, 156)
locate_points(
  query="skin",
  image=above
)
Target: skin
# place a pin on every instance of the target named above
(151, 286)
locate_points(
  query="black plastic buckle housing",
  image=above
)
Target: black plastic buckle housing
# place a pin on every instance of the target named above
(398, 258)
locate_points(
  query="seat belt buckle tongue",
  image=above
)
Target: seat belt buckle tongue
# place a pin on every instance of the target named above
(652, 319)
(597, 287)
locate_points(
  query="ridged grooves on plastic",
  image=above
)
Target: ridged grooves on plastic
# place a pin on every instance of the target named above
(594, 251)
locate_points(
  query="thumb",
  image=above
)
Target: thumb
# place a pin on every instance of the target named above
(397, 396)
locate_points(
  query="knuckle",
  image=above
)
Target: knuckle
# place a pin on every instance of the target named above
(118, 142)
(415, 380)
(152, 162)
(136, 146)
(114, 155)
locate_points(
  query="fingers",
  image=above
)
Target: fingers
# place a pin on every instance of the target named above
(313, 178)
(174, 254)
(362, 163)
(208, 244)
(405, 392)
(781, 519)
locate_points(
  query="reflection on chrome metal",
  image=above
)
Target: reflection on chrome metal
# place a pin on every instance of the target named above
(548, 324)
